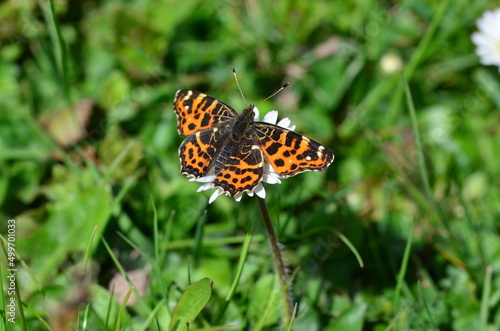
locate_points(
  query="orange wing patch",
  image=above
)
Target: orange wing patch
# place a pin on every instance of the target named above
(291, 153)
(197, 111)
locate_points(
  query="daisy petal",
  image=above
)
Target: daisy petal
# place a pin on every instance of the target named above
(284, 123)
(260, 191)
(237, 196)
(271, 117)
(215, 195)
(204, 187)
(204, 179)
(256, 114)
(271, 179)
(487, 39)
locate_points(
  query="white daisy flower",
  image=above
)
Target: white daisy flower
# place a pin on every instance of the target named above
(270, 176)
(390, 64)
(487, 39)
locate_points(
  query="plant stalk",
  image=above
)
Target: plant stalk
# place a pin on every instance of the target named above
(278, 259)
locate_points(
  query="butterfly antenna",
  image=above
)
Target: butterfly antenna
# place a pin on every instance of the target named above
(238, 83)
(278, 91)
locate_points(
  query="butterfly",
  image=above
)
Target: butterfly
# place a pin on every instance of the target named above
(234, 152)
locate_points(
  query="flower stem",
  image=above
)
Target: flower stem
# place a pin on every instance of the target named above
(278, 259)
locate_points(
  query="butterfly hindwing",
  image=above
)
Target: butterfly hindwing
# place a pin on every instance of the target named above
(243, 168)
(196, 152)
(197, 111)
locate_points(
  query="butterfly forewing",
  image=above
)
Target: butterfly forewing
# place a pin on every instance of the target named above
(197, 111)
(291, 153)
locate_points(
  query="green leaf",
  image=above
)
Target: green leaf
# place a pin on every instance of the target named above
(69, 228)
(192, 302)
(106, 309)
(265, 302)
(351, 319)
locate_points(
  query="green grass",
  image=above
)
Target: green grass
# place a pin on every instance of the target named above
(399, 233)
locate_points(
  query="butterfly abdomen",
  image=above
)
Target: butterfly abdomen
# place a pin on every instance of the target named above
(223, 157)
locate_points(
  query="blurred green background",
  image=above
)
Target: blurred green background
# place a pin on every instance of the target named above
(88, 138)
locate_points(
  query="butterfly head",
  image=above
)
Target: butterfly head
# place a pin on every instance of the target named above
(249, 112)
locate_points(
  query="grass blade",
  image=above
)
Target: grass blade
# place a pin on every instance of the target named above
(241, 263)
(121, 312)
(483, 315)
(402, 270)
(62, 56)
(418, 140)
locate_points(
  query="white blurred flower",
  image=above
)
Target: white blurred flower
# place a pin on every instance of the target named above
(391, 63)
(270, 176)
(487, 39)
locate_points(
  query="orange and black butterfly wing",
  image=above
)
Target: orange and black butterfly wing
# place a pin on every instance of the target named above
(290, 153)
(243, 168)
(197, 111)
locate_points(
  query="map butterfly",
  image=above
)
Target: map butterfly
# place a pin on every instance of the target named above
(233, 150)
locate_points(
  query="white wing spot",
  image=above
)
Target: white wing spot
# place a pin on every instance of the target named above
(308, 158)
(186, 107)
